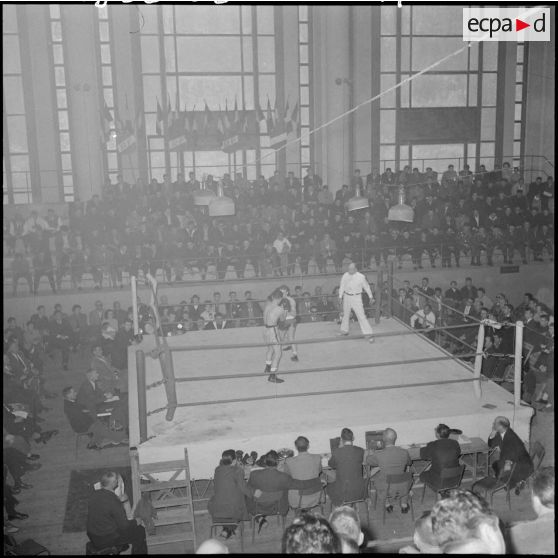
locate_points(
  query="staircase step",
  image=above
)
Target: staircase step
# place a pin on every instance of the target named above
(169, 539)
(164, 485)
(162, 467)
(173, 516)
(170, 503)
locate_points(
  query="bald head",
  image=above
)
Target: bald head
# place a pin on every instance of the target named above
(389, 436)
(212, 546)
(352, 268)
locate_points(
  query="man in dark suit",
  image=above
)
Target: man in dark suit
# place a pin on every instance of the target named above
(250, 311)
(60, 337)
(81, 421)
(274, 486)
(347, 461)
(107, 524)
(91, 397)
(219, 323)
(443, 453)
(195, 309)
(512, 450)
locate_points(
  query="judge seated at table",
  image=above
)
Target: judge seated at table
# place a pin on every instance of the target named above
(347, 461)
(443, 453)
(512, 450)
(391, 460)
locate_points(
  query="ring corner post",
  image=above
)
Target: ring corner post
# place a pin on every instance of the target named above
(142, 395)
(170, 385)
(477, 390)
(518, 362)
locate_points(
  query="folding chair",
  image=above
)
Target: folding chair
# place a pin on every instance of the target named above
(491, 485)
(449, 478)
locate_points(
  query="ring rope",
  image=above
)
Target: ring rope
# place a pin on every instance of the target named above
(326, 368)
(319, 340)
(311, 393)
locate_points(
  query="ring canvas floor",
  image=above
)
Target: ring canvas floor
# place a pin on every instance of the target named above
(414, 412)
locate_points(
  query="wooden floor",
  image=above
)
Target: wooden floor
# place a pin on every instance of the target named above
(45, 502)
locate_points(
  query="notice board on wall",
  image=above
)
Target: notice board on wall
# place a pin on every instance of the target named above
(437, 125)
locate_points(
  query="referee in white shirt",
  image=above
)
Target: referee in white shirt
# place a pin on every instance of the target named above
(350, 292)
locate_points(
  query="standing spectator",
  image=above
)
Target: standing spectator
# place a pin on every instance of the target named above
(282, 246)
(78, 323)
(20, 270)
(468, 290)
(96, 317)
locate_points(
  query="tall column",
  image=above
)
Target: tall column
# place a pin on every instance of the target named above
(78, 27)
(125, 85)
(331, 93)
(291, 72)
(539, 118)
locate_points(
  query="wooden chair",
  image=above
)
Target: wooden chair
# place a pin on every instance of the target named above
(354, 503)
(276, 502)
(392, 480)
(537, 456)
(308, 492)
(228, 523)
(491, 485)
(449, 478)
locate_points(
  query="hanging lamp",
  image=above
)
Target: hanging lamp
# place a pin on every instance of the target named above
(357, 202)
(203, 196)
(221, 205)
(401, 211)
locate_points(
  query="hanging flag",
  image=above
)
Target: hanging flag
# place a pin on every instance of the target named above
(207, 118)
(226, 117)
(269, 118)
(294, 121)
(170, 113)
(259, 113)
(236, 115)
(194, 121)
(278, 133)
(106, 119)
(159, 120)
(286, 116)
(220, 127)
(187, 127)
(139, 123)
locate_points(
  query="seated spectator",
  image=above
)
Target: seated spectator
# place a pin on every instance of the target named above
(443, 453)
(91, 396)
(391, 460)
(78, 323)
(219, 322)
(231, 491)
(303, 466)
(345, 523)
(347, 462)
(463, 523)
(108, 374)
(107, 524)
(423, 538)
(81, 421)
(274, 485)
(13, 330)
(423, 318)
(309, 534)
(537, 536)
(512, 451)
(60, 337)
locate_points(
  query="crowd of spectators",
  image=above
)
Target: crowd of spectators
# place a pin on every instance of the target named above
(460, 520)
(283, 226)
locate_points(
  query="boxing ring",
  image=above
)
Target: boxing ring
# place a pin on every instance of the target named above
(207, 391)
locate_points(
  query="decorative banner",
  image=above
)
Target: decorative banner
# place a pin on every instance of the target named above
(125, 143)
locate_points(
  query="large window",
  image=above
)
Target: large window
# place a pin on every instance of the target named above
(215, 55)
(107, 87)
(57, 42)
(16, 187)
(412, 39)
(304, 53)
